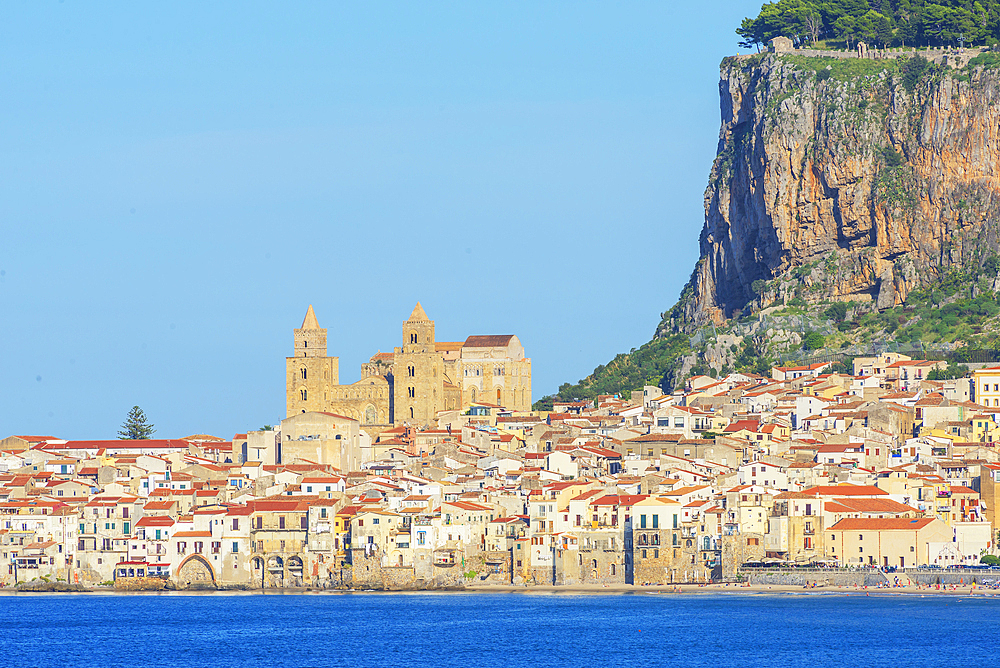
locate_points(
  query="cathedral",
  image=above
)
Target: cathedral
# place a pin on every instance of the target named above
(412, 384)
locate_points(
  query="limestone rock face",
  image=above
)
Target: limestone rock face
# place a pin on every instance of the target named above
(854, 186)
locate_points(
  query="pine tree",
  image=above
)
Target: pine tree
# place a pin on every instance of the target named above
(136, 426)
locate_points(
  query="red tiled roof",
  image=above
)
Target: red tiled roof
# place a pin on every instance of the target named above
(488, 341)
(881, 524)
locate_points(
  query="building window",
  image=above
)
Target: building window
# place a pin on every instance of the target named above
(302, 372)
(216, 546)
(411, 371)
(412, 392)
(281, 522)
(413, 337)
(304, 395)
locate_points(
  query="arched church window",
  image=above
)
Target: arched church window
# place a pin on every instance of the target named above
(411, 412)
(413, 337)
(302, 371)
(304, 394)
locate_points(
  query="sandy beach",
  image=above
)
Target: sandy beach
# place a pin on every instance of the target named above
(964, 590)
(679, 589)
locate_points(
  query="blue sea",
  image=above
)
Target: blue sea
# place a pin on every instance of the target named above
(442, 630)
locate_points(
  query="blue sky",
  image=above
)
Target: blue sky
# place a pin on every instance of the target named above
(179, 182)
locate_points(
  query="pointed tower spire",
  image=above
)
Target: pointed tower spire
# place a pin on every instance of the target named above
(418, 314)
(310, 320)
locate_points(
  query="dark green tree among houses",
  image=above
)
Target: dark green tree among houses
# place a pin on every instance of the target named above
(136, 426)
(880, 23)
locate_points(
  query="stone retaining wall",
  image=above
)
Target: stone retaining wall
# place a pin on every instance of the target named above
(140, 584)
(951, 577)
(800, 577)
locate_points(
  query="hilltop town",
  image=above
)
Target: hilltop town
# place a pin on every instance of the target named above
(424, 480)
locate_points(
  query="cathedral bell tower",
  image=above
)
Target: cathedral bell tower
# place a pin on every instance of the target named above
(418, 372)
(418, 332)
(309, 373)
(310, 338)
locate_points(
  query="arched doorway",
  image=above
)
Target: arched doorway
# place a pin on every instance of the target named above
(257, 571)
(295, 572)
(275, 572)
(195, 571)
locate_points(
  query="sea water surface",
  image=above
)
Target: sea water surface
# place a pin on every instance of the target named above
(441, 630)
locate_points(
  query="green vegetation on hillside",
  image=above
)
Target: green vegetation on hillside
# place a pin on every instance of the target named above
(842, 69)
(960, 307)
(879, 23)
(654, 363)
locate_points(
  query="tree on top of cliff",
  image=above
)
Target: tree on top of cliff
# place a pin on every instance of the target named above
(876, 22)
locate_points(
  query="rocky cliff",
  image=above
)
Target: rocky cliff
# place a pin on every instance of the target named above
(845, 179)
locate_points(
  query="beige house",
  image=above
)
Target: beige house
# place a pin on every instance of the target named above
(324, 438)
(986, 386)
(897, 541)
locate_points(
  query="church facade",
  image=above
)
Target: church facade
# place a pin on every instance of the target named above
(412, 384)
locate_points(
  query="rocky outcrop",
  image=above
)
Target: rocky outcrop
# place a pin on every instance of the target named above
(44, 586)
(844, 183)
